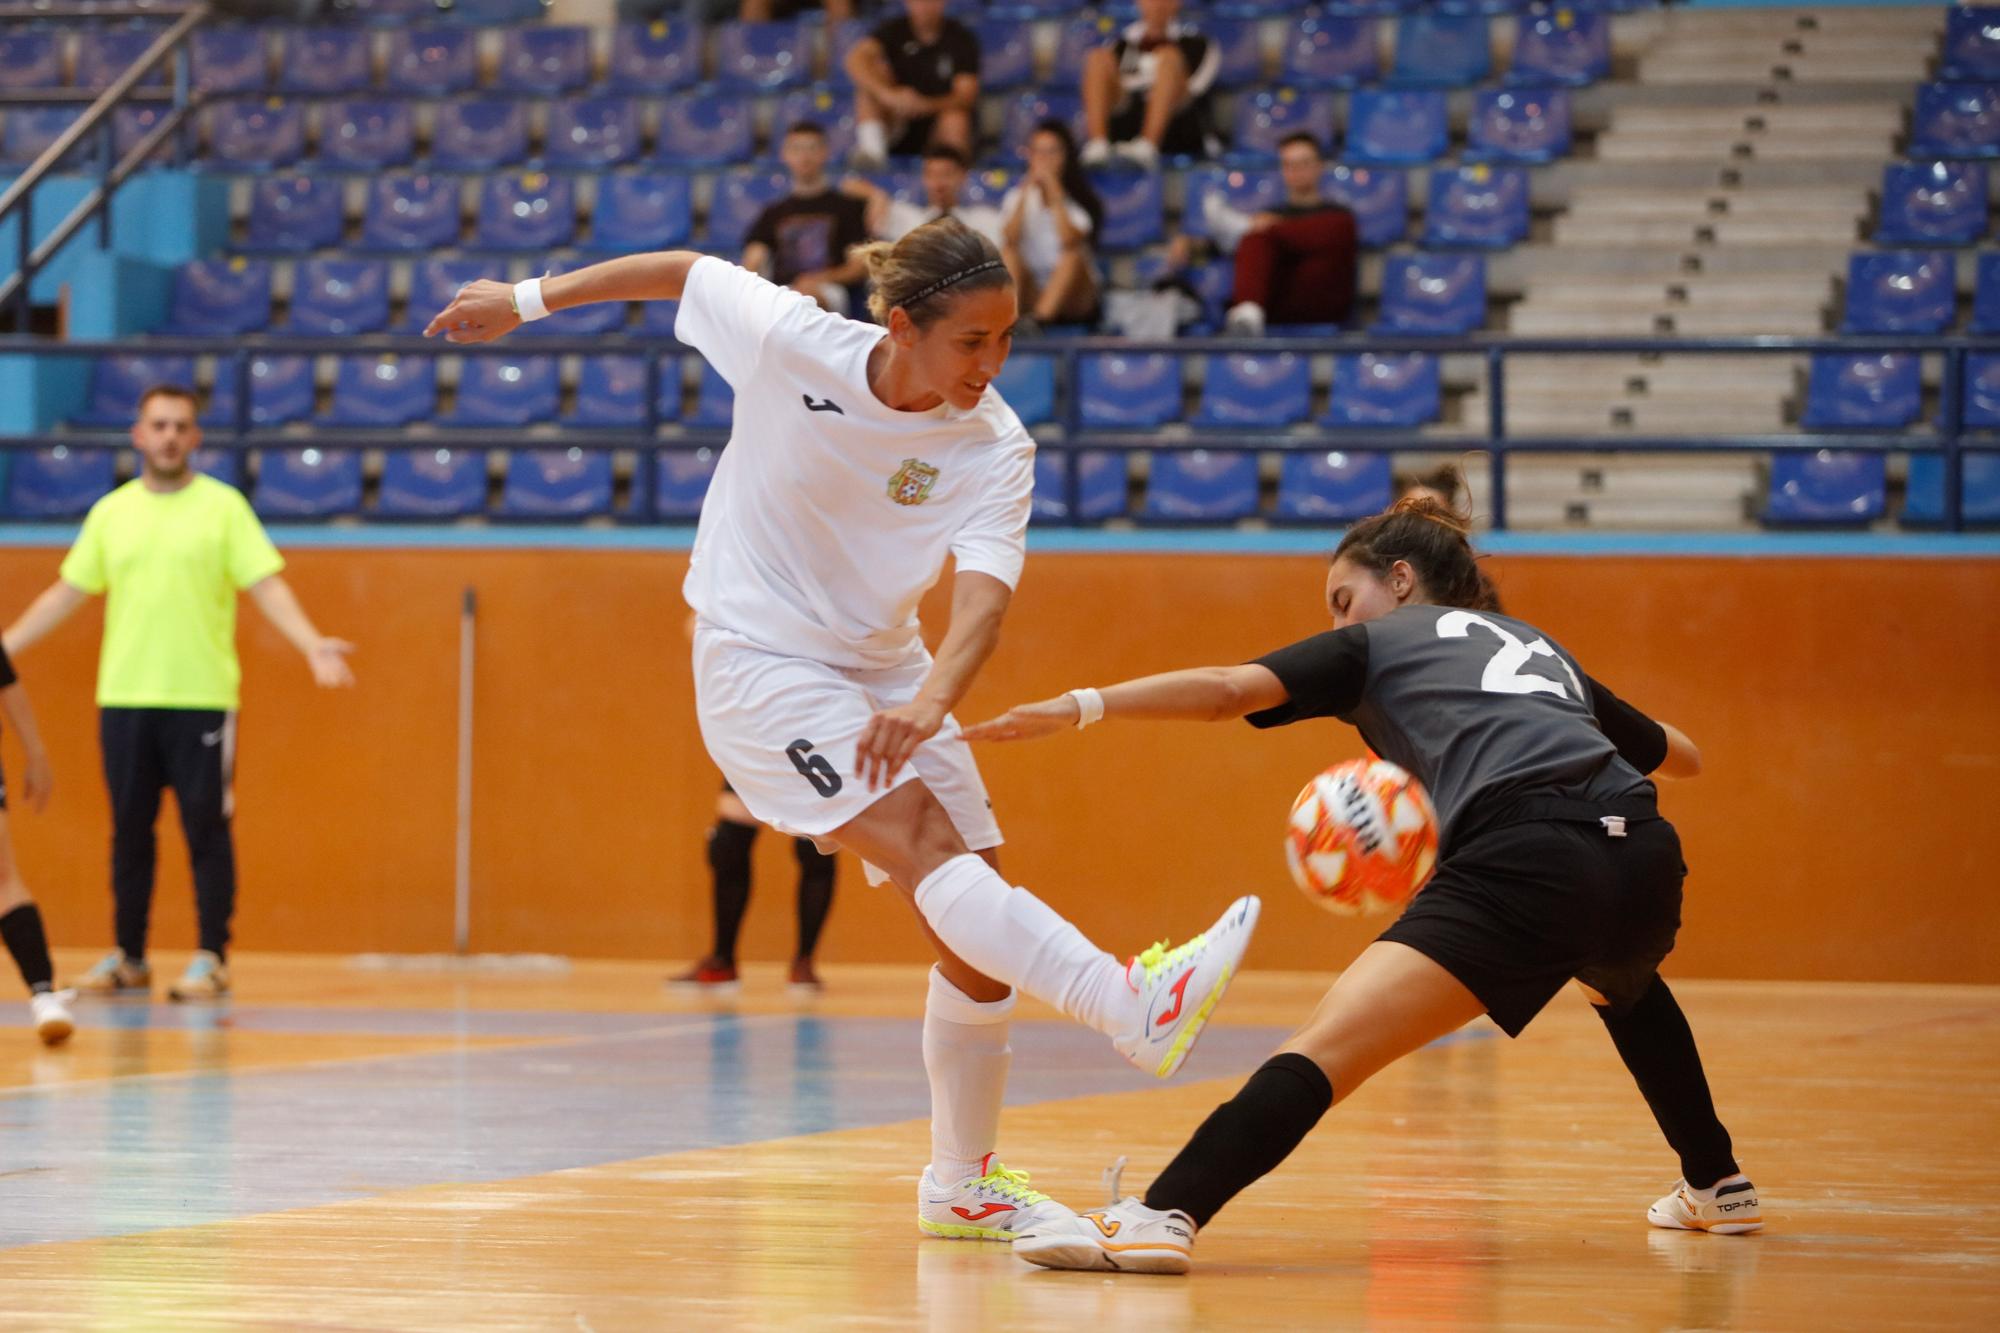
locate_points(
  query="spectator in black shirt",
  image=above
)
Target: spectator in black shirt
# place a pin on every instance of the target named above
(1148, 91)
(802, 241)
(916, 85)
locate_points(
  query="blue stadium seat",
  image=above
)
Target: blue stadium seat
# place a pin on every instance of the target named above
(1240, 50)
(308, 483)
(1244, 191)
(1101, 491)
(324, 60)
(1566, 46)
(1331, 51)
(1396, 128)
(1981, 397)
(611, 392)
(1827, 487)
(60, 482)
(505, 391)
(1986, 294)
(1332, 486)
(295, 213)
(1863, 391)
(432, 483)
(653, 211)
(705, 129)
(130, 124)
(30, 60)
(381, 392)
(1978, 496)
(714, 400)
(1383, 391)
(32, 130)
(556, 483)
(657, 317)
(281, 388)
(1202, 486)
(592, 132)
(220, 297)
(229, 60)
(1129, 391)
(391, 13)
(269, 133)
(412, 212)
(433, 282)
(366, 136)
(1006, 55)
(117, 381)
(1901, 291)
(333, 298)
(1379, 198)
(104, 54)
(1971, 44)
(1134, 210)
(1441, 49)
(545, 58)
(433, 61)
(1079, 37)
(844, 36)
(1028, 383)
(1031, 109)
(479, 134)
(1932, 203)
(1518, 125)
(763, 57)
(1440, 296)
(680, 481)
(218, 412)
(1263, 119)
(1481, 207)
(832, 111)
(739, 197)
(1956, 120)
(584, 321)
(225, 465)
(531, 211)
(1214, 285)
(1255, 389)
(653, 58)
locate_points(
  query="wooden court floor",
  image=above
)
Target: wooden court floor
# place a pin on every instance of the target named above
(348, 1149)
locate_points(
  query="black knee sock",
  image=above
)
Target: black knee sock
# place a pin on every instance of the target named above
(815, 893)
(1658, 1047)
(26, 940)
(729, 857)
(1244, 1138)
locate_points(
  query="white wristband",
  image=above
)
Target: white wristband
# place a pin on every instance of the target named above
(528, 300)
(1089, 707)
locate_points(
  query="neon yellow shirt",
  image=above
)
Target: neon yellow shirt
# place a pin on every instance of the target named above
(170, 565)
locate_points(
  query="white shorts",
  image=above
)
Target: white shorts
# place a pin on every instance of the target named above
(783, 732)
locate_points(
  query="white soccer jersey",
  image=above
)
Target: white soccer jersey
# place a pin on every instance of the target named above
(831, 514)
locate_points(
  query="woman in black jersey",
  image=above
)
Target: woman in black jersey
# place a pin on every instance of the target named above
(1555, 864)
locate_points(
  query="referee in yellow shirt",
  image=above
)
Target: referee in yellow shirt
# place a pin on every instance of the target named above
(170, 550)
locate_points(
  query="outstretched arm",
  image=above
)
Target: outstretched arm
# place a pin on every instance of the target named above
(1204, 694)
(485, 310)
(978, 605)
(326, 656)
(1683, 759)
(56, 604)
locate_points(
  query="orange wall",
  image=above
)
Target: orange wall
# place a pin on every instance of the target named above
(1849, 712)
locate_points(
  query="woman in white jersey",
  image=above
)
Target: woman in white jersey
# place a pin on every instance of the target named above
(860, 457)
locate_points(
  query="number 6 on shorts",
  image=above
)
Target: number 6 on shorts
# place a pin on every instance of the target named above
(815, 768)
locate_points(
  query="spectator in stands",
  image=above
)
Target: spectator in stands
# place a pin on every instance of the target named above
(1046, 225)
(916, 84)
(945, 173)
(802, 241)
(1295, 264)
(1147, 93)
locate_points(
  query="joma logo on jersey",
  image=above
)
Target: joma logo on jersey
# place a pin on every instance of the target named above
(912, 483)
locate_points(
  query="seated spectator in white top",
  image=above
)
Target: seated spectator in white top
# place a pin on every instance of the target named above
(1046, 225)
(916, 83)
(1147, 93)
(945, 173)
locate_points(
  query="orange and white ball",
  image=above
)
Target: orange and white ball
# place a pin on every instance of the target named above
(1362, 838)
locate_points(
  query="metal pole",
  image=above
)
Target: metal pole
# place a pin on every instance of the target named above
(1951, 421)
(1496, 428)
(468, 622)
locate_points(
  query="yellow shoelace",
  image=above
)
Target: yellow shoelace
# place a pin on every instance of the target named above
(1160, 955)
(1011, 1184)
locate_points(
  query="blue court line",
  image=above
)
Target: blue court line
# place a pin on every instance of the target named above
(1142, 541)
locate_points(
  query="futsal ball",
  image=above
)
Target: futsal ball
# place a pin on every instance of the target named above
(1362, 838)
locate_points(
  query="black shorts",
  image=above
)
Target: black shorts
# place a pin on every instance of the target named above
(914, 137)
(1186, 135)
(1517, 909)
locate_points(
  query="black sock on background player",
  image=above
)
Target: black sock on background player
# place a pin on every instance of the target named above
(729, 845)
(1245, 1138)
(815, 893)
(22, 931)
(1654, 1040)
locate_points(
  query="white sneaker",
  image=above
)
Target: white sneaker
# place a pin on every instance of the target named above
(1181, 987)
(1095, 153)
(1126, 1237)
(1227, 225)
(1140, 153)
(53, 1023)
(1729, 1208)
(995, 1206)
(1245, 319)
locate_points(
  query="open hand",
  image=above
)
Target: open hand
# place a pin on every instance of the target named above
(328, 660)
(1025, 722)
(891, 737)
(38, 781)
(482, 311)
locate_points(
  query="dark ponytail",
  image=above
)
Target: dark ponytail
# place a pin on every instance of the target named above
(1435, 540)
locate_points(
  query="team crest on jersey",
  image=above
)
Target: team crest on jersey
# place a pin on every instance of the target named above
(912, 483)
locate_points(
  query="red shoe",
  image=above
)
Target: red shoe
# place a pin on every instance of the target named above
(805, 981)
(712, 976)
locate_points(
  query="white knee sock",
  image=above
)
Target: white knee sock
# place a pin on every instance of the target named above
(966, 1055)
(1014, 937)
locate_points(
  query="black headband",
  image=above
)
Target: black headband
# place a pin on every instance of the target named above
(950, 280)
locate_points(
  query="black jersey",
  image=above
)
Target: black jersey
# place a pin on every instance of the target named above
(1479, 706)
